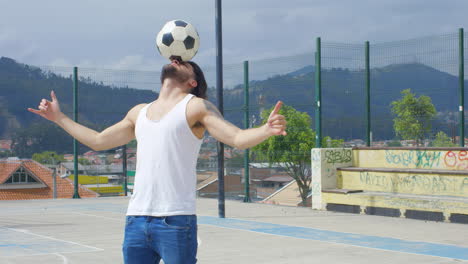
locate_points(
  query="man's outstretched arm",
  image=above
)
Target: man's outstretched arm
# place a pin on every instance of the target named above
(231, 135)
(114, 136)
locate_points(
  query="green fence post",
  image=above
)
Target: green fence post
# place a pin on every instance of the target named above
(124, 168)
(368, 111)
(462, 87)
(318, 96)
(219, 96)
(247, 125)
(76, 194)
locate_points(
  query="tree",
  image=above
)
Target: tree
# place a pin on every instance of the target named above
(292, 152)
(6, 154)
(442, 140)
(84, 161)
(39, 137)
(413, 116)
(394, 143)
(48, 157)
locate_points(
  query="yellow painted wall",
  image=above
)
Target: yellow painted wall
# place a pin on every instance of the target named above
(86, 179)
(426, 184)
(445, 206)
(403, 190)
(107, 189)
(410, 159)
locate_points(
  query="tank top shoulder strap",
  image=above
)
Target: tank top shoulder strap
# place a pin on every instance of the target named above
(187, 98)
(183, 104)
(143, 110)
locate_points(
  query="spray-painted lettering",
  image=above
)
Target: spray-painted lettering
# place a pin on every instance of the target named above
(333, 156)
(416, 183)
(456, 159)
(417, 158)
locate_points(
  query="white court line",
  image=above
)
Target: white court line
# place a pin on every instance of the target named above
(43, 254)
(65, 260)
(52, 238)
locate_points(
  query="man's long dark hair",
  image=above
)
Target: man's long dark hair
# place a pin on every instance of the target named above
(200, 89)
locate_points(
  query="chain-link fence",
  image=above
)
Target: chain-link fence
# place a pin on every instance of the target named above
(427, 66)
(343, 91)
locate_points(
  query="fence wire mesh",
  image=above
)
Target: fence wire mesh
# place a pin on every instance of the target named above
(428, 66)
(343, 92)
(277, 162)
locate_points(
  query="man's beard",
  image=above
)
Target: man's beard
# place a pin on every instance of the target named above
(171, 72)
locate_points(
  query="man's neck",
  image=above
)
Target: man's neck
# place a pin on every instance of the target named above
(172, 91)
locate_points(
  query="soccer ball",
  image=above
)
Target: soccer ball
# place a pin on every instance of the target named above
(178, 40)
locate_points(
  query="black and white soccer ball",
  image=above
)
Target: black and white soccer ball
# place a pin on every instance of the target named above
(178, 39)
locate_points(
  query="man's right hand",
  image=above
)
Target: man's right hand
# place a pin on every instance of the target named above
(47, 109)
(117, 135)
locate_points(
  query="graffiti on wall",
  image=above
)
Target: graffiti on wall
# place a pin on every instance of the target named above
(324, 164)
(456, 160)
(334, 156)
(416, 183)
(417, 158)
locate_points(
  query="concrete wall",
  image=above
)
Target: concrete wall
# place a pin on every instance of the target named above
(324, 164)
(427, 203)
(326, 161)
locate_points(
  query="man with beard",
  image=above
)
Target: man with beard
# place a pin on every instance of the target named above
(161, 218)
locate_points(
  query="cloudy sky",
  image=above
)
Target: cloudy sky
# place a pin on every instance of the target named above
(121, 34)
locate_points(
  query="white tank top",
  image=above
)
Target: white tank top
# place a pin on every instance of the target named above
(167, 152)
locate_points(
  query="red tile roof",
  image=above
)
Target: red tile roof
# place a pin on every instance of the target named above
(65, 188)
(7, 168)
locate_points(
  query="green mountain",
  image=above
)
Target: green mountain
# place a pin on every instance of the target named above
(23, 86)
(343, 97)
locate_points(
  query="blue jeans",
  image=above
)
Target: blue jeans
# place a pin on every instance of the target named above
(149, 239)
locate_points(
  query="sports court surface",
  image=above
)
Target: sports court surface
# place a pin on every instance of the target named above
(91, 231)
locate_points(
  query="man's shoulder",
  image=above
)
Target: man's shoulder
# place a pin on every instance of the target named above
(201, 108)
(203, 103)
(196, 108)
(133, 113)
(196, 103)
(137, 108)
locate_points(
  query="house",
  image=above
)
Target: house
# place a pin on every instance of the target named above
(112, 169)
(263, 183)
(266, 179)
(68, 157)
(67, 168)
(288, 195)
(5, 144)
(268, 186)
(28, 179)
(233, 188)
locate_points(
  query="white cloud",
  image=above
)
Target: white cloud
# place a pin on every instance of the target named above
(20, 49)
(60, 62)
(120, 36)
